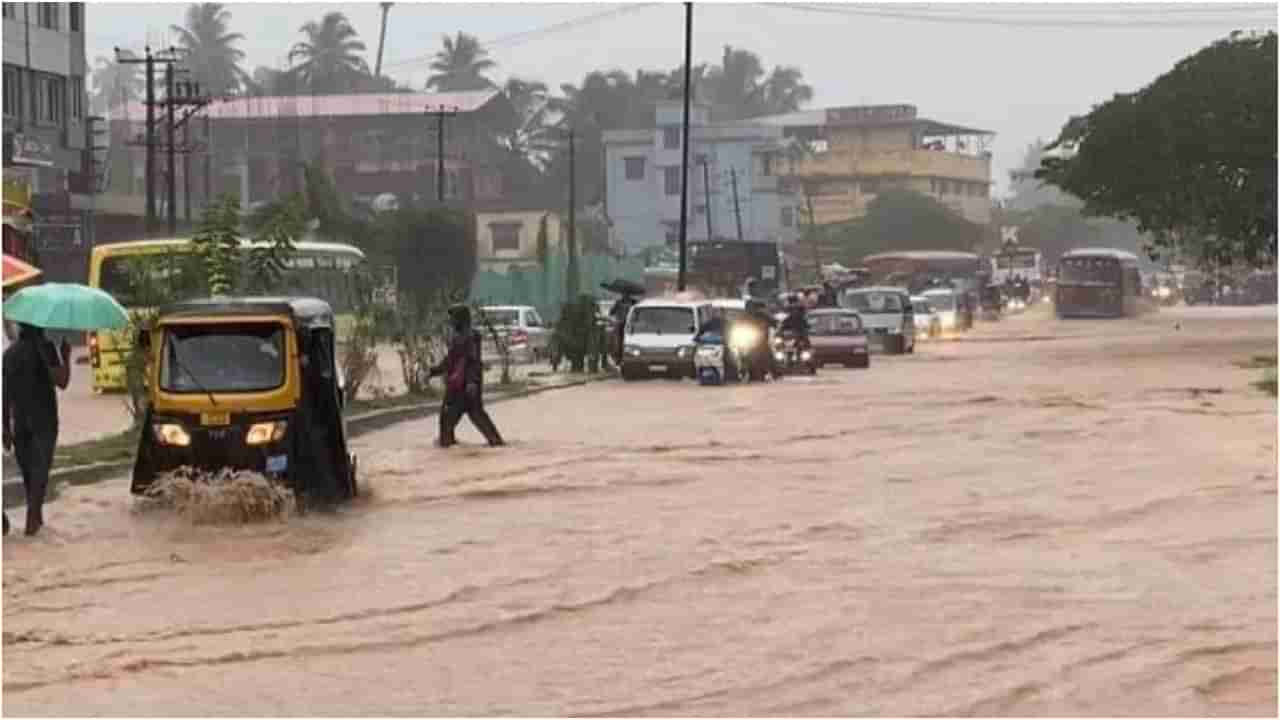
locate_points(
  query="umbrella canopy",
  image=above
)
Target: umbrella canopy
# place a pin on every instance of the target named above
(18, 271)
(66, 306)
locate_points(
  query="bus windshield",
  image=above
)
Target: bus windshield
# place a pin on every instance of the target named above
(147, 280)
(1090, 270)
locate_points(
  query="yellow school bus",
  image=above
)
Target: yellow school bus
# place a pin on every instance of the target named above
(133, 271)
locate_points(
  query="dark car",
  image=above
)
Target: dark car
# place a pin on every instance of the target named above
(838, 338)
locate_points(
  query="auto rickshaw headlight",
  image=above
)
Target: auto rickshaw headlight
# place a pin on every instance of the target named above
(263, 433)
(171, 434)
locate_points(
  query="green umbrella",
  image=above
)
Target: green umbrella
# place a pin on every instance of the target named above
(66, 306)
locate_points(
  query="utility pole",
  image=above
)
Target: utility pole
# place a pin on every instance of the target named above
(737, 210)
(172, 167)
(186, 173)
(150, 61)
(571, 273)
(706, 191)
(441, 113)
(382, 38)
(208, 162)
(813, 235)
(684, 146)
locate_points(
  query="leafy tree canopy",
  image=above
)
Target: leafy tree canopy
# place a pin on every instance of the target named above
(901, 220)
(1192, 154)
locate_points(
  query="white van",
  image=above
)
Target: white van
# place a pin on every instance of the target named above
(659, 338)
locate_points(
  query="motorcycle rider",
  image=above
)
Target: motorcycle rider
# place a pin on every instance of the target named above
(797, 322)
(758, 318)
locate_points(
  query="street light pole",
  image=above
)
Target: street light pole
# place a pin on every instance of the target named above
(684, 162)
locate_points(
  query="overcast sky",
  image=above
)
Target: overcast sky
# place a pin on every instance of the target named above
(1018, 70)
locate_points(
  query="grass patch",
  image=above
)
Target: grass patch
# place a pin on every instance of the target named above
(1258, 362)
(112, 448)
(1268, 382)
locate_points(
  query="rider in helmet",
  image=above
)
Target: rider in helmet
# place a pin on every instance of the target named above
(797, 321)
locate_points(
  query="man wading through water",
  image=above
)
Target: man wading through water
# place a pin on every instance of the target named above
(464, 382)
(32, 367)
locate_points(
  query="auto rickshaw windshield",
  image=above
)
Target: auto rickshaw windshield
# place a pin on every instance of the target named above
(224, 358)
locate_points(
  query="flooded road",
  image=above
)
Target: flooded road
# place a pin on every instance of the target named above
(1042, 518)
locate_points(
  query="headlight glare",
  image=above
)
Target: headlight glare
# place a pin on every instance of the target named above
(263, 433)
(172, 434)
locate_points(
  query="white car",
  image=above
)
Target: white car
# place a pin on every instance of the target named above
(525, 332)
(659, 338)
(945, 305)
(927, 321)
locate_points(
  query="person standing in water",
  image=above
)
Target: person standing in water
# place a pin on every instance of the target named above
(32, 369)
(464, 382)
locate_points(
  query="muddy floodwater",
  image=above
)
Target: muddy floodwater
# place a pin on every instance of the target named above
(1042, 518)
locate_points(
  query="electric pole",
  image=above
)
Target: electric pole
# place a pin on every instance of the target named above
(382, 38)
(706, 191)
(684, 161)
(441, 113)
(208, 162)
(172, 167)
(149, 61)
(737, 210)
(571, 273)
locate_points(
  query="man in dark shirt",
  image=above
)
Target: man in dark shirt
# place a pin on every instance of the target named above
(32, 368)
(464, 382)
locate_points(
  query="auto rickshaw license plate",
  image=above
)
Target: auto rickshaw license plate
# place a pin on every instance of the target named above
(216, 419)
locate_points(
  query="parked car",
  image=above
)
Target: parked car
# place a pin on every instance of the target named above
(838, 338)
(927, 320)
(521, 326)
(659, 338)
(887, 315)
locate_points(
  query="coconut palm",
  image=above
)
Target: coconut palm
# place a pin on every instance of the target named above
(115, 83)
(330, 55)
(208, 49)
(461, 66)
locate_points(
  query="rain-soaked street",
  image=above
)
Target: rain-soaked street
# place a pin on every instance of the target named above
(1043, 518)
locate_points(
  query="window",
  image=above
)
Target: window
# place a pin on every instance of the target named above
(788, 217)
(51, 99)
(766, 164)
(671, 138)
(506, 236)
(671, 178)
(12, 90)
(11, 10)
(76, 16)
(635, 168)
(47, 16)
(77, 98)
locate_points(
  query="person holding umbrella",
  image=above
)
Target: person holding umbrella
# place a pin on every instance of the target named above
(32, 371)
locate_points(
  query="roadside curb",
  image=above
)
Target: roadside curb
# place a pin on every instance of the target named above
(14, 494)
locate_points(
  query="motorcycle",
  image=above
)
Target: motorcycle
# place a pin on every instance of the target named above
(791, 356)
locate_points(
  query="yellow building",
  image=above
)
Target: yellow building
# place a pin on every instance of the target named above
(852, 153)
(509, 238)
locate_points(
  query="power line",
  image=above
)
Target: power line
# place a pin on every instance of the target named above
(1061, 23)
(514, 39)
(1089, 9)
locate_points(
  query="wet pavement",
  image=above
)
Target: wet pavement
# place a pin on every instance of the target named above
(1042, 518)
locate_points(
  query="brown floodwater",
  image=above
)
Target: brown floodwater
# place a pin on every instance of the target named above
(1041, 518)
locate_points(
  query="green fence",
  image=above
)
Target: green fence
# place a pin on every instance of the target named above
(543, 286)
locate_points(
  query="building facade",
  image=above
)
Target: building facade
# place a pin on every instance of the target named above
(379, 149)
(735, 192)
(507, 239)
(852, 153)
(47, 131)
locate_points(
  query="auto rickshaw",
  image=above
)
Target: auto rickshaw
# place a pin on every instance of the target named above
(247, 383)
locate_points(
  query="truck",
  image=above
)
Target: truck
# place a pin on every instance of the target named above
(721, 268)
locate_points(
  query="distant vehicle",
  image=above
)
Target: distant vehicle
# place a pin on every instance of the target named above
(522, 328)
(886, 314)
(1165, 290)
(721, 268)
(838, 338)
(1098, 282)
(946, 305)
(1017, 261)
(927, 320)
(659, 338)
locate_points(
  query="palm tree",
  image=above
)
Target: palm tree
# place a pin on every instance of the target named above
(330, 63)
(208, 48)
(115, 83)
(461, 66)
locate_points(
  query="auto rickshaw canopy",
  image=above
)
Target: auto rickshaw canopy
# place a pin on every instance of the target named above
(307, 313)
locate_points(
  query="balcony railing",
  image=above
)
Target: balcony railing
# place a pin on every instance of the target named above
(919, 163)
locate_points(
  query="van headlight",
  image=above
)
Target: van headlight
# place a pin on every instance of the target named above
(683, 352)
(631, 350)
(806, 356)
(266, 432)
(171, 434)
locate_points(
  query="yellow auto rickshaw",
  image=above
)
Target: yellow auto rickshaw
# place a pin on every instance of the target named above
(247, 383)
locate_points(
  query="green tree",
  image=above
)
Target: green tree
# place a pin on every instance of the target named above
(331, 60)
(217, 243)
(283, 224)
(900, 220)
(1193, 153)
(209, 50)
(445, 262)
(461, 65)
